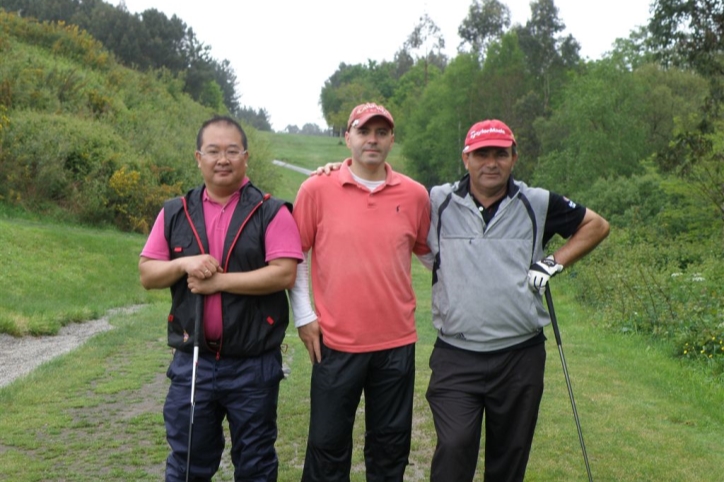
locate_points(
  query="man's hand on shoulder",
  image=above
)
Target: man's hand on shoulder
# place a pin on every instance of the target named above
(326, 169)
(310, 334)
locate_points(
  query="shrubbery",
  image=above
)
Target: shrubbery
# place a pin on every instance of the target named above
(671, 289)
(86, 139)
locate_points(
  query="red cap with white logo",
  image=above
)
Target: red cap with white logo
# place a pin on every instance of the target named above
(364, 112)
(488, 133)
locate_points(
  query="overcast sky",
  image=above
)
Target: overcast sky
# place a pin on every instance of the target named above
(282, 51)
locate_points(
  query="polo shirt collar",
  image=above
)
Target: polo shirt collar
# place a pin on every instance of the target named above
(463, 187)
(205, 196)
(345, 174)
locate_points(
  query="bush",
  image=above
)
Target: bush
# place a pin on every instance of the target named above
(672, 290)
(60, 159)
(261, 171)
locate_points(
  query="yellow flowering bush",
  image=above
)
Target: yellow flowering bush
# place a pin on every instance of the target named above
(135, 201)
(708, 344)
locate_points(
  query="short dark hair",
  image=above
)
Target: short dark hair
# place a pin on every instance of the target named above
(221, 119)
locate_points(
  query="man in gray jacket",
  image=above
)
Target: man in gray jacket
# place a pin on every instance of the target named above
(488, 235)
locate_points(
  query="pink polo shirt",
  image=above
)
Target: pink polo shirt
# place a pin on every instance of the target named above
(281, 241)
(362, 244)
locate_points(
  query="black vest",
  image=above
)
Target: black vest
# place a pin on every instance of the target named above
(252, 324)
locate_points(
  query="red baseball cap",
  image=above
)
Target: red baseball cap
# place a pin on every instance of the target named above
(364, 112)
(488, 133)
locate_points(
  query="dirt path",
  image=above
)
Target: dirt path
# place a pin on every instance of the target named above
(20, 356)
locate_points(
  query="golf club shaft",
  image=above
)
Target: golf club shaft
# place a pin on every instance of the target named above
(197, 330)
(556, 331)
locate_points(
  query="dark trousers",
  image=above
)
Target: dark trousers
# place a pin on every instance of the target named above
(246, 392)
(506, 387)
(387, 379)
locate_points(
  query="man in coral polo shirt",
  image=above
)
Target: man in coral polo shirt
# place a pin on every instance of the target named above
(362, 224)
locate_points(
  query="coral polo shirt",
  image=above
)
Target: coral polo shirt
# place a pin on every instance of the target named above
(362, 244)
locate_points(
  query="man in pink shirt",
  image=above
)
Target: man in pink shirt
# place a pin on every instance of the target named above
(362, 223)
(237, 248)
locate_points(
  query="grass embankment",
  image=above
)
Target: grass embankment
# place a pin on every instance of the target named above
(95, 414)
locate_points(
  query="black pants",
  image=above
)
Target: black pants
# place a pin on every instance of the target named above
(506, 387)
(387, 379)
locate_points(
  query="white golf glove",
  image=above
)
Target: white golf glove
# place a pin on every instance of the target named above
(542, 271)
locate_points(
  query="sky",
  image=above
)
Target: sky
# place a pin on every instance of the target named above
(282, 51)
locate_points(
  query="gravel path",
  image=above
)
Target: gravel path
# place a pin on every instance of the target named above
(20, 356)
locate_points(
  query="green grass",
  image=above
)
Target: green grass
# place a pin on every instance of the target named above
(288, 184)
(54, 274)
(95, 414)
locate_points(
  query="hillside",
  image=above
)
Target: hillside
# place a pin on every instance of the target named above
(85, 139)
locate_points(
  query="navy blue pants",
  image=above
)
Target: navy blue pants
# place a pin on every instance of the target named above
(387, 378)
(246, 392)
(506, 387)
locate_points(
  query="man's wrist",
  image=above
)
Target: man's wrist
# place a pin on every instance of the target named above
(551, 262)
(305, 320)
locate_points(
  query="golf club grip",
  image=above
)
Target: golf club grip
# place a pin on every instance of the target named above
(199, 318)
(552, 313)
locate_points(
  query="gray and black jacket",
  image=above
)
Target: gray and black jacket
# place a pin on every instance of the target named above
(480, 295)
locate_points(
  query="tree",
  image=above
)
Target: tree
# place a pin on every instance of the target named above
(351, 95)
(407, 95)
(403, 62)
(164, 47)
(428, 42)
(690, 32)
(673, 102)
(225, 78)
(634, 51)
(330, 98)
(503, 79)
(506, 92)
(310, 129)
(487, 20)
(707, 170)
(548, 55)
(211, 96)
(593, 134)
(348, 86)
(437, 127)
(258, 119)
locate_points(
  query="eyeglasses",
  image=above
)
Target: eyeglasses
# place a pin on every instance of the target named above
(231, 154)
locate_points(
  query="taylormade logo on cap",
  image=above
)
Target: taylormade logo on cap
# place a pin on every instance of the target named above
(475, 134)
(488, 133)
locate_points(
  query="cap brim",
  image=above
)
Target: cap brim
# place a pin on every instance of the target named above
(489, 143)
(365, 119)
